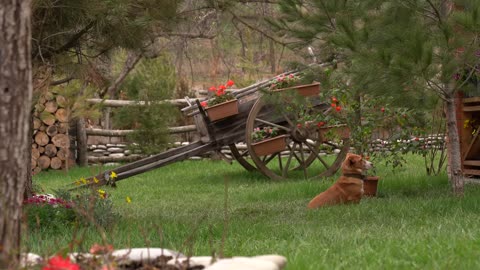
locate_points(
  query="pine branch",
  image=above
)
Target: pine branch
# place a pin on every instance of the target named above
(257, 29)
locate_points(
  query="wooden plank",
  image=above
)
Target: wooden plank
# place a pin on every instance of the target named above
(471, 108)
(114, 159)
(473, 148)
(471, 100)
(125, 132)
(472, 162)
(471, 172)
(124, 103)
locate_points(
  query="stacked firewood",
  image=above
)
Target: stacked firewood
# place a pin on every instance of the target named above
(50, 146)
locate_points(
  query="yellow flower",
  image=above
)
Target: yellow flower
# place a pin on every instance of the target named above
(83, 180)
(77, 182)
(128, 199)
(95, 180)
(102, 193)
(113, 175)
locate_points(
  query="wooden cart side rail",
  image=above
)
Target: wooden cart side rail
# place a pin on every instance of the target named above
(193, 109)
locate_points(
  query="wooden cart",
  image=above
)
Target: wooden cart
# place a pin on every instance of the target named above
(301, 157)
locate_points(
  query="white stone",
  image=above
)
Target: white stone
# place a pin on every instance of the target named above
(193, 261)
(144, 254)
(195, 158)
(279, 260)
(117, 155)
(128, 152)
(337, 151)
(243, 263)
(112, 164)
(121, 145)
(110, 145)
(92, 147)
(100, 146)
(30, 259)
(98, 150)
(185, 143)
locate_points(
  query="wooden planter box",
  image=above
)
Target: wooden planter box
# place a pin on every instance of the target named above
(305, 90)
(270, 146)
(222, 110)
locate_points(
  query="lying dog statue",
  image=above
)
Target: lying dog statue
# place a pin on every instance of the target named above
(349, 187)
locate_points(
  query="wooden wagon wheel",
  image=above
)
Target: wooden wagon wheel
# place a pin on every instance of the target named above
(294, 161)
(241, 157)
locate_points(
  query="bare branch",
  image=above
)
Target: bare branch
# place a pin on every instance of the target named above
(130, 63)
(62, 81)
(257, 29)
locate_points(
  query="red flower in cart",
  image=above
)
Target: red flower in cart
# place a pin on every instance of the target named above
(320, 124)
(203, 104)
(221, 95)
(338, 108)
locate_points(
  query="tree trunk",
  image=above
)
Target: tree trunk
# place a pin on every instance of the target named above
(82, 158)
(15, 101)
(454, 153)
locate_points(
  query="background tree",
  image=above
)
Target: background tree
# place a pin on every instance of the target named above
(404, 49)
(15, 102)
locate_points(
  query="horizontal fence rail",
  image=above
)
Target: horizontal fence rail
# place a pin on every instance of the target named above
(125, 132)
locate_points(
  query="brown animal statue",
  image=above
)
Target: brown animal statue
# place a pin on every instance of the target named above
(349, 187)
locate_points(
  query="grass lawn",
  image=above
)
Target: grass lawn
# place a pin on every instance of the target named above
(415, 223)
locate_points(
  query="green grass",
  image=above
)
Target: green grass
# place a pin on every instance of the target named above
(415, 223)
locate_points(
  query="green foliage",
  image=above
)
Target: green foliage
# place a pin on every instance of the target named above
(76, 95)
(43, 212)
(93, 207)
(410, 225)
(152, 81)
(260, 134)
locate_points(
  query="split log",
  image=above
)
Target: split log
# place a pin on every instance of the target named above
(41, 138)
(36, 170)
(37, 123)
(35, 153)
(34, 146)
(50, 150)
(61, 140)
(34, 162)
(42, 127)
(43, 162)
(39, 107)
(52, 130)
(55, 163)
(41, 149)
(51, 106)
(62, 128)
(47, 118)
(62, 154)
(61, 101)
(62, 115)
(48, 96)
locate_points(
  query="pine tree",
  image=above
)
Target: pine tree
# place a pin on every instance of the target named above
(404, 49)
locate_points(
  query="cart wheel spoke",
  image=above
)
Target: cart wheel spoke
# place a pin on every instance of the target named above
(302, 156)
(269, 159)
(317, 156)
(289, 159)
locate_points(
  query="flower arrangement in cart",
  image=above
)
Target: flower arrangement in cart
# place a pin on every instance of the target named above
(222, 103)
